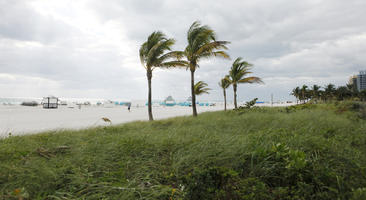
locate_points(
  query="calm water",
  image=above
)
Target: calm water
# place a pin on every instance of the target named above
(17, 101)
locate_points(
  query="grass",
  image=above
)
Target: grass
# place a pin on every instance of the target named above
(314, 152)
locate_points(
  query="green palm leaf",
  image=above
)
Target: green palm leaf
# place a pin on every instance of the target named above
(225, 82)
(201, 88)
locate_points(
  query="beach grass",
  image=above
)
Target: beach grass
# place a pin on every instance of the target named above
(302, 152)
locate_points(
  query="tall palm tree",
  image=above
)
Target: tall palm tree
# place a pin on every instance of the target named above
(238, 72)
(201, 88)
(296, 92)
(224, 84)
(304, 92)
(156, 53)
(202, 44)
(315, 92)
(329, 91)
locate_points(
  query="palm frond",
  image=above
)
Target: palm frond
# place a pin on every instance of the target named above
(173, 63)
(205, 36)
(239, 70)
(156, 52)
(252, 79)
(209, 47)
(202, 44)
(225, 82)
(178, 55)
(201, 88)
(158, 49)
(142, 53)
(198, 33)
(221, 54)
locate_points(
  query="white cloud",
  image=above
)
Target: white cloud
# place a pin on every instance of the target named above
(89, 48)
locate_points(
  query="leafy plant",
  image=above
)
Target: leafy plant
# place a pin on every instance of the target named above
(201, 88)
(251, 103)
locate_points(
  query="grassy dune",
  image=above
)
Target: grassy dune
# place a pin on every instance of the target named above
(308, 152)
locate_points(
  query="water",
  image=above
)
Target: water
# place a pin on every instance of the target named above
(17, 101)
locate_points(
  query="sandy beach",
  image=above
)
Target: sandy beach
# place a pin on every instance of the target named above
(19, 120)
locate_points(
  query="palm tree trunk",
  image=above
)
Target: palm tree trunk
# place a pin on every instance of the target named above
(149, 76)
(235, 104)
(193, 95)
(224, 99)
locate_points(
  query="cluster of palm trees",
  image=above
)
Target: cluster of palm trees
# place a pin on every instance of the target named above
(157, 52)
(329, 92)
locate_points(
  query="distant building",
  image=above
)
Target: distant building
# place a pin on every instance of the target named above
(361, 81)
(353, 82)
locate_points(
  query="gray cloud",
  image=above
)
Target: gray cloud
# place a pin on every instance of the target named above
(20, 21)
(89, 48)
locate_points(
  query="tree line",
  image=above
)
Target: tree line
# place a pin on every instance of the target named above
(157, 52)
(327, 93)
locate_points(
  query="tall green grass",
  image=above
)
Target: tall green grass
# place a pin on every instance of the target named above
(309, 153)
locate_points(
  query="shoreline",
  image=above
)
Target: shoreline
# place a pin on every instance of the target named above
(23, 120)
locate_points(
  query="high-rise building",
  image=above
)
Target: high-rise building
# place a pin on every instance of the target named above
(361, 81)
(353, 82)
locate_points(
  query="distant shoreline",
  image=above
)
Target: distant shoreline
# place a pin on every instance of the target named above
(22, 120)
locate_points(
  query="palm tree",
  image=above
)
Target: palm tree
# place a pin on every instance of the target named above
(304, 93)
(156, 52)
(202, 43)
(362, 95)
(201, 88)
(315, 92)
(329, 91)
(343, 93)
(296, 92)
(238, 72)
(224, 84)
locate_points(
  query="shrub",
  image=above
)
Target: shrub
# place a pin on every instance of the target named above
(352, 106)
(300, 107)
(212, 183)
(222, 183)
(359, 194)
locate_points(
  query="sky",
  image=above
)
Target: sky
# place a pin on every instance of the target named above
(89, 48)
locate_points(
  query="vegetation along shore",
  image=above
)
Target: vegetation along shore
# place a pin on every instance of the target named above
(308, 151)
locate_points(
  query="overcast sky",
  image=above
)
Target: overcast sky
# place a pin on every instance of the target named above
(89, 48)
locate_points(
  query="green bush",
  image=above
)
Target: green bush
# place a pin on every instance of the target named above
(357, 107)
(359, 194)
(305, 106)
(266, 153)
(222, 183)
